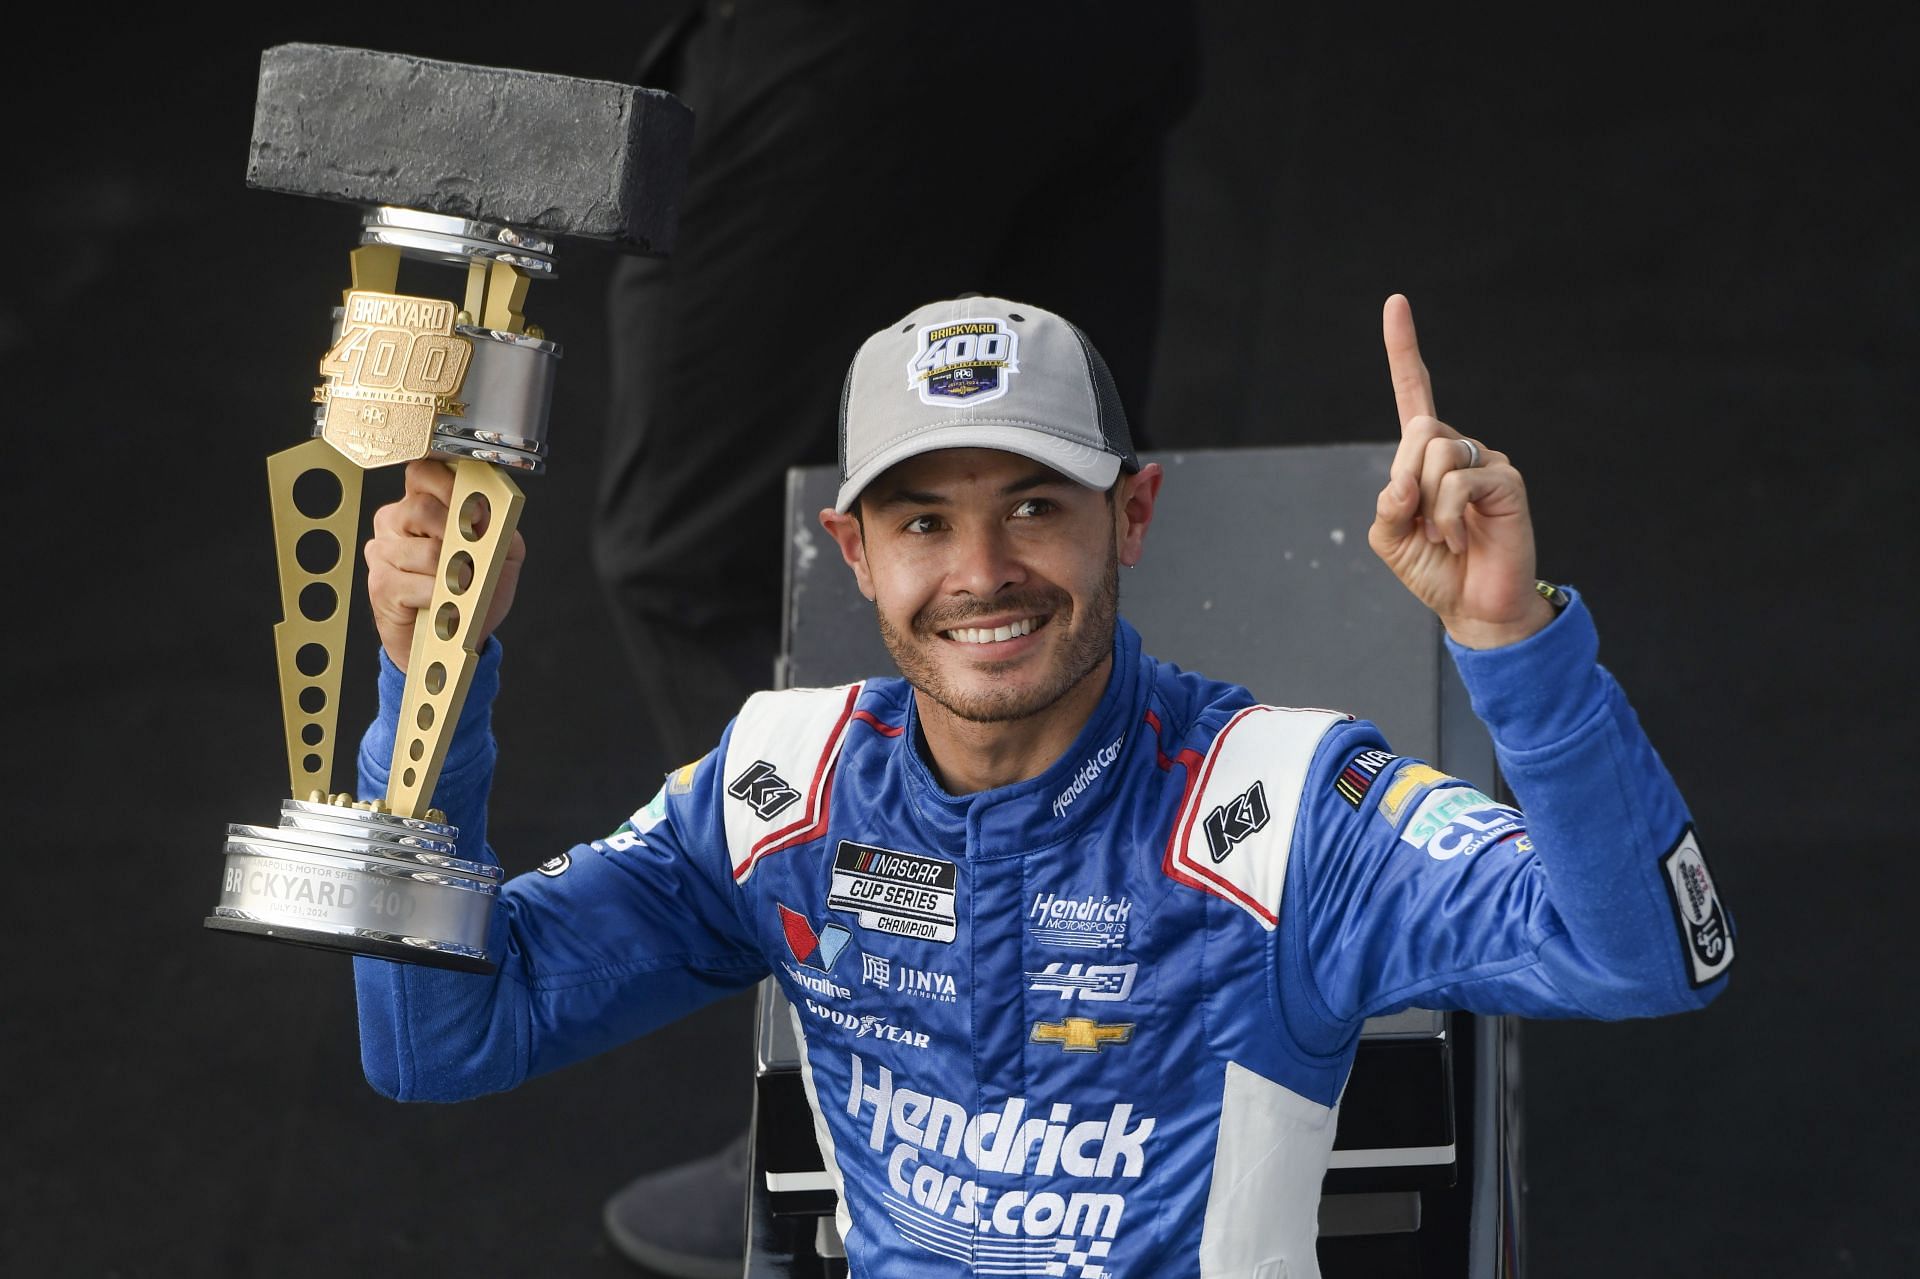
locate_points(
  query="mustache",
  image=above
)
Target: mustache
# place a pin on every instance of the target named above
(931, 621)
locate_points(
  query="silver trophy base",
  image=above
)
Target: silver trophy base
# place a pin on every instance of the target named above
(368, 883)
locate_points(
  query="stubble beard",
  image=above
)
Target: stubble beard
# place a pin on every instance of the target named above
(1090, 645)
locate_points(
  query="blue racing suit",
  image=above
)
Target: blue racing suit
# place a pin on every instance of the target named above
(1096, 1023)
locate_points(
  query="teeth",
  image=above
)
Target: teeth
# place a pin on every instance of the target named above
(994, 635)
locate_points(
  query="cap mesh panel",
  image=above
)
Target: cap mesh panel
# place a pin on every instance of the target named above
(1106, 398)
(846, 394)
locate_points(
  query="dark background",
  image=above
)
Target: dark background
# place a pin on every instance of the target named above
(1669, 267)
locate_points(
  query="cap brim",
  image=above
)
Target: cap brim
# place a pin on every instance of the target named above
(1092, 467)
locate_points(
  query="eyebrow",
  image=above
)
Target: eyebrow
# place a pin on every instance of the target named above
(1042, 477)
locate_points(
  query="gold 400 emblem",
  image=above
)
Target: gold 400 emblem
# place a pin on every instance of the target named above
(396, 367)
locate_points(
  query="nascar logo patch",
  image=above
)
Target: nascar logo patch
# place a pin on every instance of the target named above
(1356, 779)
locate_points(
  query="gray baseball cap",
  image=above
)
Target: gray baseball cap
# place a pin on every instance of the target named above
(980, 372)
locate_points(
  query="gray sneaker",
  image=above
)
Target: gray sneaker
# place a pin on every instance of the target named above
(687, 1221)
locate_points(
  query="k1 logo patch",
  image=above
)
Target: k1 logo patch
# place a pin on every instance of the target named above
(766, 792)
(1235, 820)
(964, 362)
(1704, 934)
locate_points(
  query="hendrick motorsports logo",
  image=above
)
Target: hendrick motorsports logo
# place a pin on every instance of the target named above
(1016, 1231)
(1095, 922)
(965, 362)
(908, 894)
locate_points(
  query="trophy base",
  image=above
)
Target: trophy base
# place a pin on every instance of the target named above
(405, 950)
(344, 878)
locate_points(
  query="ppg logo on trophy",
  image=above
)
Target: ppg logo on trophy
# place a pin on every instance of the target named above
(468, 177)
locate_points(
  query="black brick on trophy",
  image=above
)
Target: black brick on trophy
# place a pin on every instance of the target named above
(588, 159)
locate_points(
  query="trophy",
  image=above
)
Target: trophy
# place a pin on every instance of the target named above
(469, 174)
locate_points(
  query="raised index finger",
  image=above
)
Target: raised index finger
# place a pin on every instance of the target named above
(1412, 388)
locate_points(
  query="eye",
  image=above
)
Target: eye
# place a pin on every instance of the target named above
(921, 524)
(1032, 508)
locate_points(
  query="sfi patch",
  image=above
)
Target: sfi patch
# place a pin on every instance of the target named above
(555, 865)
(1704, 934)
(964, 362)
(1356, 779)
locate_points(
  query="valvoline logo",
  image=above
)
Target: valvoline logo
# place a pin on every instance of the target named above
(815, 950)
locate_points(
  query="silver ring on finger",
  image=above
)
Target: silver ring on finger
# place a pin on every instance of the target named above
(1473, 453)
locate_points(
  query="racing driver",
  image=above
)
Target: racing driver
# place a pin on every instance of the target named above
(926, 864)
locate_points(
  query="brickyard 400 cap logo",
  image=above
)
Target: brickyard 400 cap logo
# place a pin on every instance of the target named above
(1015, 1231)
(964, 362)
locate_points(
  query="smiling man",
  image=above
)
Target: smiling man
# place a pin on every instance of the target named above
(1118, 926)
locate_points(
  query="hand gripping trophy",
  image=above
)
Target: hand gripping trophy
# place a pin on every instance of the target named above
(475, 171)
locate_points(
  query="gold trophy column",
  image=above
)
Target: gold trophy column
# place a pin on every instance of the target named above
(485, 508)
(397, 364)
(481, 519)
(315, 547)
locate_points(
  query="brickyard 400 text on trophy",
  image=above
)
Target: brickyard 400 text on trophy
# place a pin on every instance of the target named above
(471, 174)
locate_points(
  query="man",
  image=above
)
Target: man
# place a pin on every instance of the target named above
(821, 145)
(1266, 878)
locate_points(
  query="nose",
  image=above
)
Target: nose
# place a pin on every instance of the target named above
(986, 561)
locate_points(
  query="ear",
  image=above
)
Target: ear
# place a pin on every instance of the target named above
(851, 539)
(1133, 511)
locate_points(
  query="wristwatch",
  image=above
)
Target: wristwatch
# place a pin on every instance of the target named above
(1552, 594)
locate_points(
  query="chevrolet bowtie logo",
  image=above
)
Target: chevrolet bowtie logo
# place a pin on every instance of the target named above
(1081, 1034)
